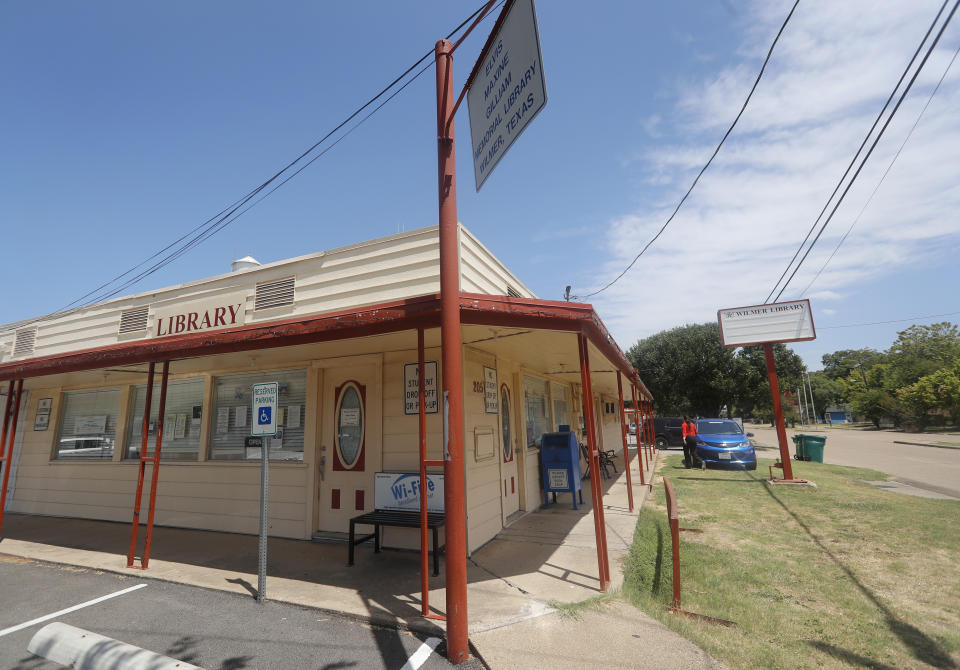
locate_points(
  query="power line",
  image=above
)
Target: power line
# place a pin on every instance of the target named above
(222, 223)
(866, 157)
(704, 168)
(853, 160)
(883, 323)
(233, 211)
(885, 173)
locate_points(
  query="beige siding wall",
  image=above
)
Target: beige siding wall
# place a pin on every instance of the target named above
(391, 268)
(481, 272)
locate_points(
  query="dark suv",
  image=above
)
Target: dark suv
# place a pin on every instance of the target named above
(668, 431)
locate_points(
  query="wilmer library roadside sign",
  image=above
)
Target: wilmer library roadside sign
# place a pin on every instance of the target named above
(775, 322)
(766, 325)
(508, 88)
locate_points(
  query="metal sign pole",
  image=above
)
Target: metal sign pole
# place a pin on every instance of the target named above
(264, 424)
(778, 411)
(264, 502)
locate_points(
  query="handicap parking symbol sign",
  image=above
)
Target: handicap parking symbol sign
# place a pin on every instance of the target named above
(263, 418)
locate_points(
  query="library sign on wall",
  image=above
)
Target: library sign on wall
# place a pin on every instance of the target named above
(223, 311)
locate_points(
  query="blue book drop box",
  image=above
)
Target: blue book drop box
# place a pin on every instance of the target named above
(560, 466)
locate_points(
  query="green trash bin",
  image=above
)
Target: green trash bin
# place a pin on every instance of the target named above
(798, 452)
(813, 447)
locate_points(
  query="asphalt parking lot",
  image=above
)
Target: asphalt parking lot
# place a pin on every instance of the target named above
(211, 629)
(934, 469)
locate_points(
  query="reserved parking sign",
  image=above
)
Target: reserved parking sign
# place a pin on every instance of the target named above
(265, 397)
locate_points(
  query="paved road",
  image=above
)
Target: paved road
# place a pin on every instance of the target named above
(935, 469)
(212, 629)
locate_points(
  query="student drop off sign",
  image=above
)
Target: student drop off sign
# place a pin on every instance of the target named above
(508, 88)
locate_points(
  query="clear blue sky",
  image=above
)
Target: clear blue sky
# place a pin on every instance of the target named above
(126, 124)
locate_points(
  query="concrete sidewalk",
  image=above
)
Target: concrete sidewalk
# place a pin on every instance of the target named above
(548, 556)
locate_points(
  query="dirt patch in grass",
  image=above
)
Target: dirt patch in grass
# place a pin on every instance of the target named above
(843, 575)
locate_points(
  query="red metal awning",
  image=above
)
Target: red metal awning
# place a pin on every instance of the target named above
(412, 313)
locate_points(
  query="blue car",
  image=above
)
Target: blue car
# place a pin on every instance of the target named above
(723, 442)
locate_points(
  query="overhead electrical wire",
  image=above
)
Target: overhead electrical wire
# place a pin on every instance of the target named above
(222, 223)
(882, 178)
(866, 157)
(704, 168)
(229, 214)
(853, 160)
(883, 323)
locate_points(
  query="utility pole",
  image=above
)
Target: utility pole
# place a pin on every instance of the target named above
(812, 405)
(862, 373)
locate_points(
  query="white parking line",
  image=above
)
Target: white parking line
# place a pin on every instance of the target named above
(27, 624)
(421, 655)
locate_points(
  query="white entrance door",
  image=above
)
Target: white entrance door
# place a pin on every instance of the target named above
(510, 489)
(350, 442)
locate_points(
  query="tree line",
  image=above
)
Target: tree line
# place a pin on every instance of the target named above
(914, 383)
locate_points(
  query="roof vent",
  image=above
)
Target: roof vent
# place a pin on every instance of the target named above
(512, 292)
(244, 263)
(274, 293)
(134, 320)
(25, 342)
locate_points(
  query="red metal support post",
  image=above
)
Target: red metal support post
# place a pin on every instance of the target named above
(144, 437)
(778, 412)
(674, 517)
(646, 429)
(424, 550)
(647, 425)
(599, 522)
(624, 432)
(6, 419)
(161, 410)
(453, 472)
(638, 417)
(7, 453)
(651, 429)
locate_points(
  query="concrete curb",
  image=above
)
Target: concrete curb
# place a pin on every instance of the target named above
(82, 650)
(925, 444)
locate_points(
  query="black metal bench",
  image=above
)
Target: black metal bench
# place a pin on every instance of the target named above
(380, 517)
(606, 459)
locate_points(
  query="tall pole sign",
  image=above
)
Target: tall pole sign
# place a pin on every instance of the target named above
(452, 376)
(766, 325)
(507, 87)
(511, 109)
(265, 400)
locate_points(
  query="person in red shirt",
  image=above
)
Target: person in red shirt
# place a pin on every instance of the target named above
(689, 432)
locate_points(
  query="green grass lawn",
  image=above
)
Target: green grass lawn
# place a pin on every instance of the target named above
(841, 575)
